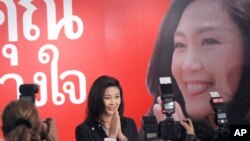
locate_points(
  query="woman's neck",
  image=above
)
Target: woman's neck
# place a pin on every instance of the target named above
(106, 120)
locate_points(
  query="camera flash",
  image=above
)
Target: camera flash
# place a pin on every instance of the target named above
(165, 80)
(214, 94)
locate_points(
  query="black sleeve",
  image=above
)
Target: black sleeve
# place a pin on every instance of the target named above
(190, 137)
(131, 131)
(82, 134)
(136, 135)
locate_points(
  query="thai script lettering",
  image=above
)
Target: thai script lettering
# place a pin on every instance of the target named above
(62, 87)
(69, 87)
(30, 30)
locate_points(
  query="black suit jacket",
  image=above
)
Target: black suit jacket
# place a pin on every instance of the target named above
(91, 130)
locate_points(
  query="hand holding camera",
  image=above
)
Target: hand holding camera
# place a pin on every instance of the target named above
(157, 109)
(49, 131)
(48, 128)
(168, 113)
(188, 125)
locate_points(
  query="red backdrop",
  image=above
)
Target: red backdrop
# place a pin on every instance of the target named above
(83, 39)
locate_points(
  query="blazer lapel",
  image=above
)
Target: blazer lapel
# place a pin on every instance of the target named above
(97, 127)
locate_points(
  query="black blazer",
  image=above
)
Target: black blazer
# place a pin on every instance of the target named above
(91, 130)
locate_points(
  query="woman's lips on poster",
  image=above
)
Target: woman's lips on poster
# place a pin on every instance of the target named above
(197, 87)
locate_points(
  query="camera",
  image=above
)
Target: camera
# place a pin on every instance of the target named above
(168, 129)
(28, 92)
(220, 118)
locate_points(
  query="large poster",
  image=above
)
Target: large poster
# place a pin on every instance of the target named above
(64, 45)
(203, 46)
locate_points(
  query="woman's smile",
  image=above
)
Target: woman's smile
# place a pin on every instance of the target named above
(197, 87)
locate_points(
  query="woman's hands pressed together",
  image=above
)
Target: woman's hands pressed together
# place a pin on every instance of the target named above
(115, 127)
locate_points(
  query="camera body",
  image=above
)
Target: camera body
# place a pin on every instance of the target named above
(168, 129)
(28, 92)
(220, 118)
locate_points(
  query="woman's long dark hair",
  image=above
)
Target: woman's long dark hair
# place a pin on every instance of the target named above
(96, 107)
(240, 13)
(160, 63)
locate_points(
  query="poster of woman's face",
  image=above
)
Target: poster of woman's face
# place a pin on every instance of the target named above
(207, 57)
(64, 45)
(204, 46)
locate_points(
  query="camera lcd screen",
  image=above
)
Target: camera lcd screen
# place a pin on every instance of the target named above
(151, 135)
(221, 115)
(169, 105)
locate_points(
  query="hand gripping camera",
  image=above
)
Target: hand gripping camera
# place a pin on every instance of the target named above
(220, 117)
(28, 92)
(168, 129)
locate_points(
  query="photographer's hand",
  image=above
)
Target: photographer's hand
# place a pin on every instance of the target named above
(157, 109)
(50, 130)
(188, 125)
(190, 132)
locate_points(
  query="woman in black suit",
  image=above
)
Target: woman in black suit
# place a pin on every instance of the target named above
(105, 120)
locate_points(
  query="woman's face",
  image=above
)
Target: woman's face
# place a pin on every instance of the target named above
(208, 56)
(112, 99)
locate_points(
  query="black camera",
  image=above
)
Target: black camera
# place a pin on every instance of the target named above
(168, 129)
(28, 92)
(220, 118)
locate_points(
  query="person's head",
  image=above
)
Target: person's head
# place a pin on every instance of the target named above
(105, 97)
(206, 52)
(21, 121)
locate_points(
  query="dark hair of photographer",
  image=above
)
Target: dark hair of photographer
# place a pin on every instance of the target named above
(21, 122)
